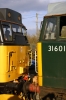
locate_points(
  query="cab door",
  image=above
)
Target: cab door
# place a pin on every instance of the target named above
(12, 57)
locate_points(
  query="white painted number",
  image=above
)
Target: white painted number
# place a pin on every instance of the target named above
(56, 48)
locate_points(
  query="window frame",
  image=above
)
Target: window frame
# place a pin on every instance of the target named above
(17, 25)
(44, 25)
(60, 38)
(10, 31)
(24, 34)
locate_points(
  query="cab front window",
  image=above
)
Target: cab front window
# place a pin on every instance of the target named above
(50, 28)
(7, 31)
(16, 28)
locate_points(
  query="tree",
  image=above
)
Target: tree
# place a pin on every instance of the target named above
(33, 39)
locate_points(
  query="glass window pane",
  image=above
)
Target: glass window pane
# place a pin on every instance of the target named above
(7, 31)
(62, 33)
(24, 31)
(16, 28)
(50, 28)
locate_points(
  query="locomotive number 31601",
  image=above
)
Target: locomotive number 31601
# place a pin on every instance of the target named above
(57, 48)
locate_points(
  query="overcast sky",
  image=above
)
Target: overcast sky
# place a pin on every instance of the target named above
(28, 9)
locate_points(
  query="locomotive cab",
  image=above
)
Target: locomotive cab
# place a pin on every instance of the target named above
(53, 27)
(9, 31)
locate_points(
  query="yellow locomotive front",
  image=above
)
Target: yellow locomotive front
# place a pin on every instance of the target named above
(13, 51)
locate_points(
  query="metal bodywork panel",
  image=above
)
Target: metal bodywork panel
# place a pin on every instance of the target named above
(54, 65)
(13, 61)
(39, 60)
(9, 97)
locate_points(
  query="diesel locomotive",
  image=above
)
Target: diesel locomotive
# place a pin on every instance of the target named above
(51, 53)
(14, 57)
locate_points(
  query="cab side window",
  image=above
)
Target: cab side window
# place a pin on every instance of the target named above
(7, 31)
(62, 32)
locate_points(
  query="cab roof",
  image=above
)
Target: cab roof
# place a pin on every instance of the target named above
(58, 8)
(10, 15)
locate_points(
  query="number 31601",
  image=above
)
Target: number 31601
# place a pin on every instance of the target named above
(56, 48)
